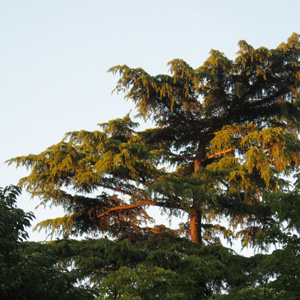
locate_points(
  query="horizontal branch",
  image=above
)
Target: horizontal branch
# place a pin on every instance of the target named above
(130, 206)
(222, 130)
(219, 153)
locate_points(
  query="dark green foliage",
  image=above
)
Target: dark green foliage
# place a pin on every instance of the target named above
(144, 282)
(169, 267)
(183, 270)
(13, 223)
(26, 274)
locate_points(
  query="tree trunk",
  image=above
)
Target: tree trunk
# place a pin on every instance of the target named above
(196, 215)
(195, 223)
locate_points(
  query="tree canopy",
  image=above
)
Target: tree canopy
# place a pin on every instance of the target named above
(225, 134)
(222, 147)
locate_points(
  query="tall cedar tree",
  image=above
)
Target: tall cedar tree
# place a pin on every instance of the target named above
(225, 134)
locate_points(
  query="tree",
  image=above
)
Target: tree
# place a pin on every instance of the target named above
(13, 222)
(225, 134)
(27, 274)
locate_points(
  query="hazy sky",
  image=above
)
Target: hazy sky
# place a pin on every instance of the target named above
(54, 57)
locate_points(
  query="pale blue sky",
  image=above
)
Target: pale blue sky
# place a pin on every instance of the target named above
(54, 56)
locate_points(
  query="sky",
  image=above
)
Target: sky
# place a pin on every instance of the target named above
(54, 58)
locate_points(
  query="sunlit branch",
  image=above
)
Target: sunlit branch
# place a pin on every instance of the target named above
(220, 153)
(130, 206)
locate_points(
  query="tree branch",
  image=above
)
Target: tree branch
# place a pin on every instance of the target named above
(219, 153)
(129, 206)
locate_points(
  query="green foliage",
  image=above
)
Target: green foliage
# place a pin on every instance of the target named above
(144, 282)
(13, 223)
(28, 274)
(162, 266)
(168, 267)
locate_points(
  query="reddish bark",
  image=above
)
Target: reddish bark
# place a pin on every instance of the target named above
(195, 214)
(195, 223)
